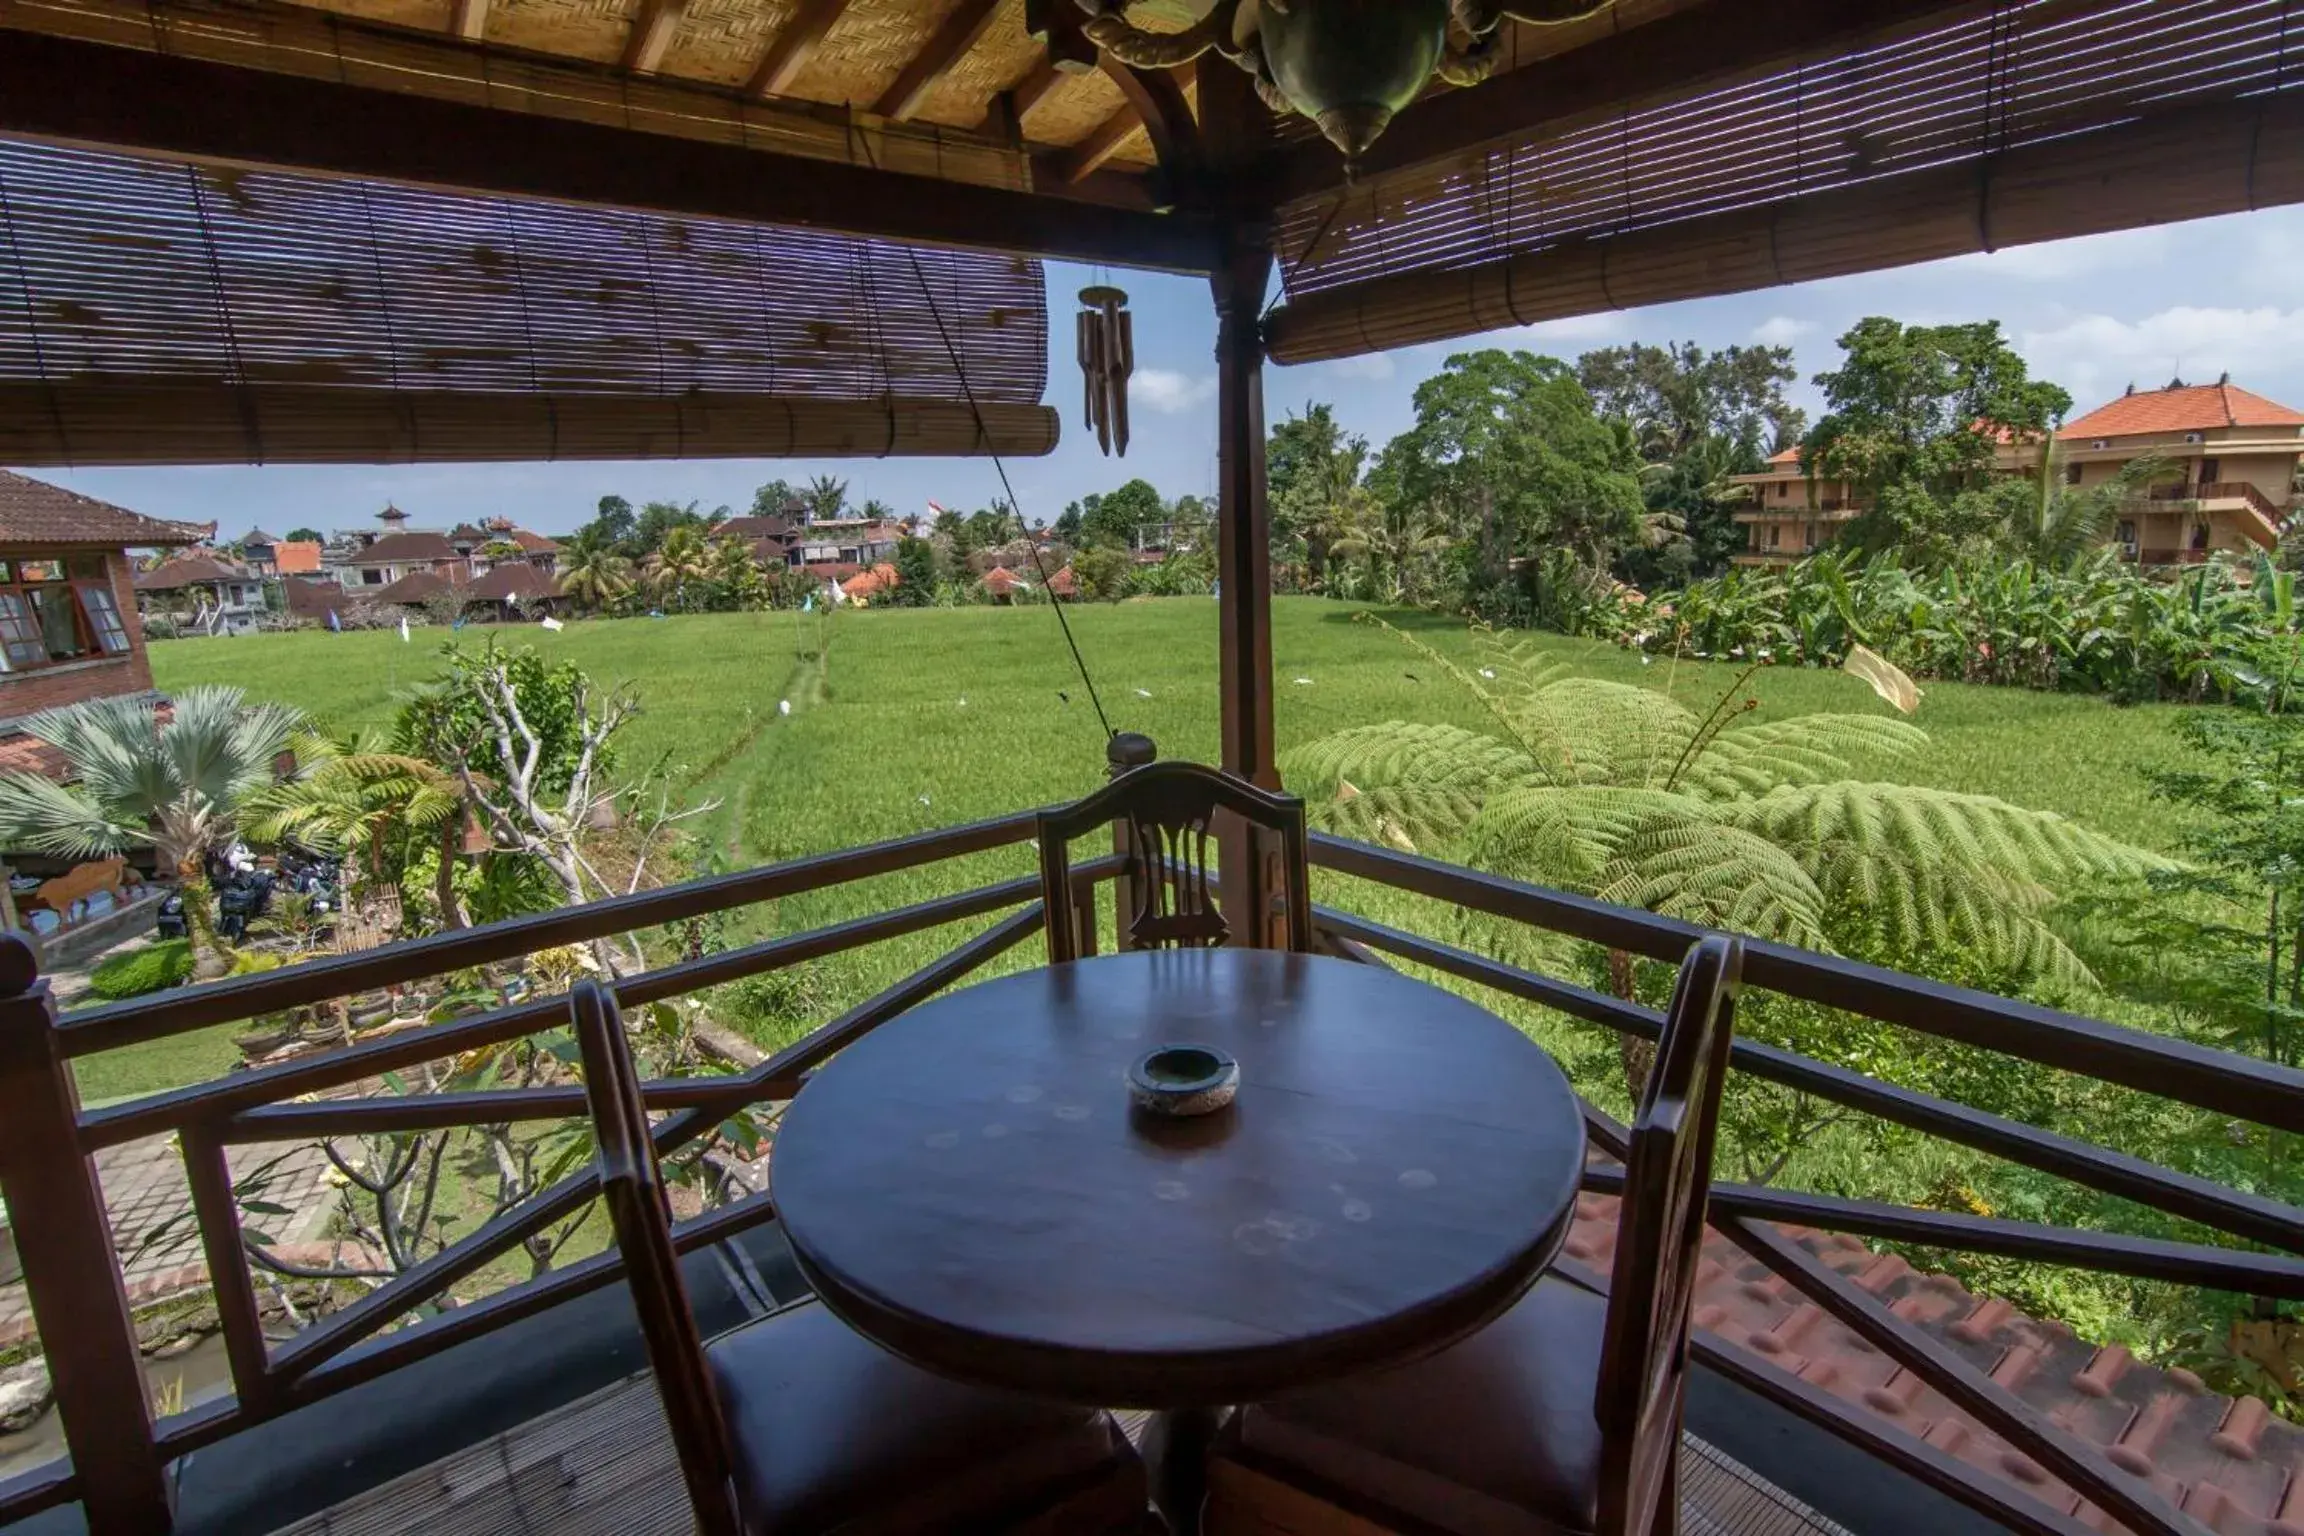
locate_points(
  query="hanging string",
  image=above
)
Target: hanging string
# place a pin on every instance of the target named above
(984, 434)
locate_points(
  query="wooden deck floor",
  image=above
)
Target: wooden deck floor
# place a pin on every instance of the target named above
(603, 1466)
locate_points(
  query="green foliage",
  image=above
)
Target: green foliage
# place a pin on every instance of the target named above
(1116, 519)
(916, 574)
(443, 720)
(2097, 627)
(1916, 415)
(1102, 574)
(1719, 817)
(136, 972)
(305, 536)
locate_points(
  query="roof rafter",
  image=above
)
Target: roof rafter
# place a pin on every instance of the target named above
(1677, 53)
(64, 90)
(1156, 107)
(468, 19)
(794, 47)
(652, 29)
(961, 27)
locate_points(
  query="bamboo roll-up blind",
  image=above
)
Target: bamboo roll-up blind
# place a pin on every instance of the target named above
(2186, 163)
(320, 44)
(93, 423)
(203, 287)
(1989, 81)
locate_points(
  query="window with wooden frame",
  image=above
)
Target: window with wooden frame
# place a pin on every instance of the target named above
(57, 610)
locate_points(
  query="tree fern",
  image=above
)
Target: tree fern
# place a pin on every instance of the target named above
(1624, 793)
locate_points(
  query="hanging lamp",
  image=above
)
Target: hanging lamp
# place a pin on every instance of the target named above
(1349, 65)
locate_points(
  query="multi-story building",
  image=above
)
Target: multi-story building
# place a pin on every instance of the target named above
(1788, 514)
(2223, 481)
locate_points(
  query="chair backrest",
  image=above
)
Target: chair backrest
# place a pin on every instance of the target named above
(1659, 1243)
(633, 1185)
(1167, 810)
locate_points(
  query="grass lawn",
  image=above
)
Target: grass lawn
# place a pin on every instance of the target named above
(903, 720)
(923, 717)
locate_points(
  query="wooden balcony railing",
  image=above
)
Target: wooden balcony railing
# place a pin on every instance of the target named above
(118, 1450)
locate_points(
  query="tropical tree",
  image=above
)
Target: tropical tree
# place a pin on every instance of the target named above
(2056, 523)
(355, 796)
(1316, 486)
(593, 573)
(736, 576)
(305, 536)
(1720, 817)
(681, 568)
(178, 784)
(1398, 542)
(827, 498)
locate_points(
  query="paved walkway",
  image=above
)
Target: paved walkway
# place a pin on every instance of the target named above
(145, 1191)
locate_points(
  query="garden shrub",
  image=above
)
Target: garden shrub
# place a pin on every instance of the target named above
(135, 972)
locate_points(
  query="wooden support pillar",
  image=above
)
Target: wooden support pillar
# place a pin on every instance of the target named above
(1232, 125)
(64, 1241)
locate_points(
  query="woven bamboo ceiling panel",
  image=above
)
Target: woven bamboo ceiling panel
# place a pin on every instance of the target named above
(2028, 120)
(120, 274)
(2004, 76)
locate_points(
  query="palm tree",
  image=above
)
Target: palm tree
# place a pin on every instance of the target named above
(594, 574)
(177, 784)
(1395, 542)
(2058, 523)
(682, 564)
(826, 497)
(354, 796)
(1622, 793)
(737, 574)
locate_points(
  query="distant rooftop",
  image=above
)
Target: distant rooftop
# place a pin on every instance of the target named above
(2182, 408)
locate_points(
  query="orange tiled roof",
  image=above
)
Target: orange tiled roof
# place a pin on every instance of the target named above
(879, 579)
(1788, 456)
(35, 512)
(2185, 408)
(297, 557)
(2227, 1462)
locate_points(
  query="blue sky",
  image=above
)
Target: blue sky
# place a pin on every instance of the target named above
(2093, 314)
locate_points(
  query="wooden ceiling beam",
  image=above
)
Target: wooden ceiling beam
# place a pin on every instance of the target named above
(1057, 26)
(468, 19)
(1156, 107)
(794, 47)
(67, 91)
(652, 32)
(961, 27)
(1678, 54)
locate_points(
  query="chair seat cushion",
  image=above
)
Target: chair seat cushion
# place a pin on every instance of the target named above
(829, 1432)
(1493, 1436)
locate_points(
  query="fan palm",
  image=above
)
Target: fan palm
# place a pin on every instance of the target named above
(1623, 793)
(356, 797)
(177, 784)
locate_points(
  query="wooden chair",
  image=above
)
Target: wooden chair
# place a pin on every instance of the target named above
(1563, 1415)
(1167, 809)
(795, 1423)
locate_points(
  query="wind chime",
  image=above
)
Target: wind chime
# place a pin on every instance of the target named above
(1107, 358)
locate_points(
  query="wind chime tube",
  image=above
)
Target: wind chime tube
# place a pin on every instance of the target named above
(1107, 345)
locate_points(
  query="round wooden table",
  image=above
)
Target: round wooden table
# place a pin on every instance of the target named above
(969, 1186)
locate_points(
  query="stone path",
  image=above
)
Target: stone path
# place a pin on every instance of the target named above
(144, 1190)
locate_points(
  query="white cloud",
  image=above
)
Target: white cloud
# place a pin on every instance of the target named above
(1600, 325)
(2061, 261)
(1371, 365)
(1782, 331)
(2096, 356)
(1169, 392)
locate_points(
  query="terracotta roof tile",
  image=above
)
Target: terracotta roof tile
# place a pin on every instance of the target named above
(755, 528)
(2227, 1462)
(192, 570)
(2190, 408)
(414, 587)
(518, 581)
(35, 512)
(401, 548)
(534, 543)
(312, 599)
(880, 578)
(297, 557)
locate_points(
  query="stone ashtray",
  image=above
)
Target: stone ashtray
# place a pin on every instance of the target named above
(1181, 1081)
